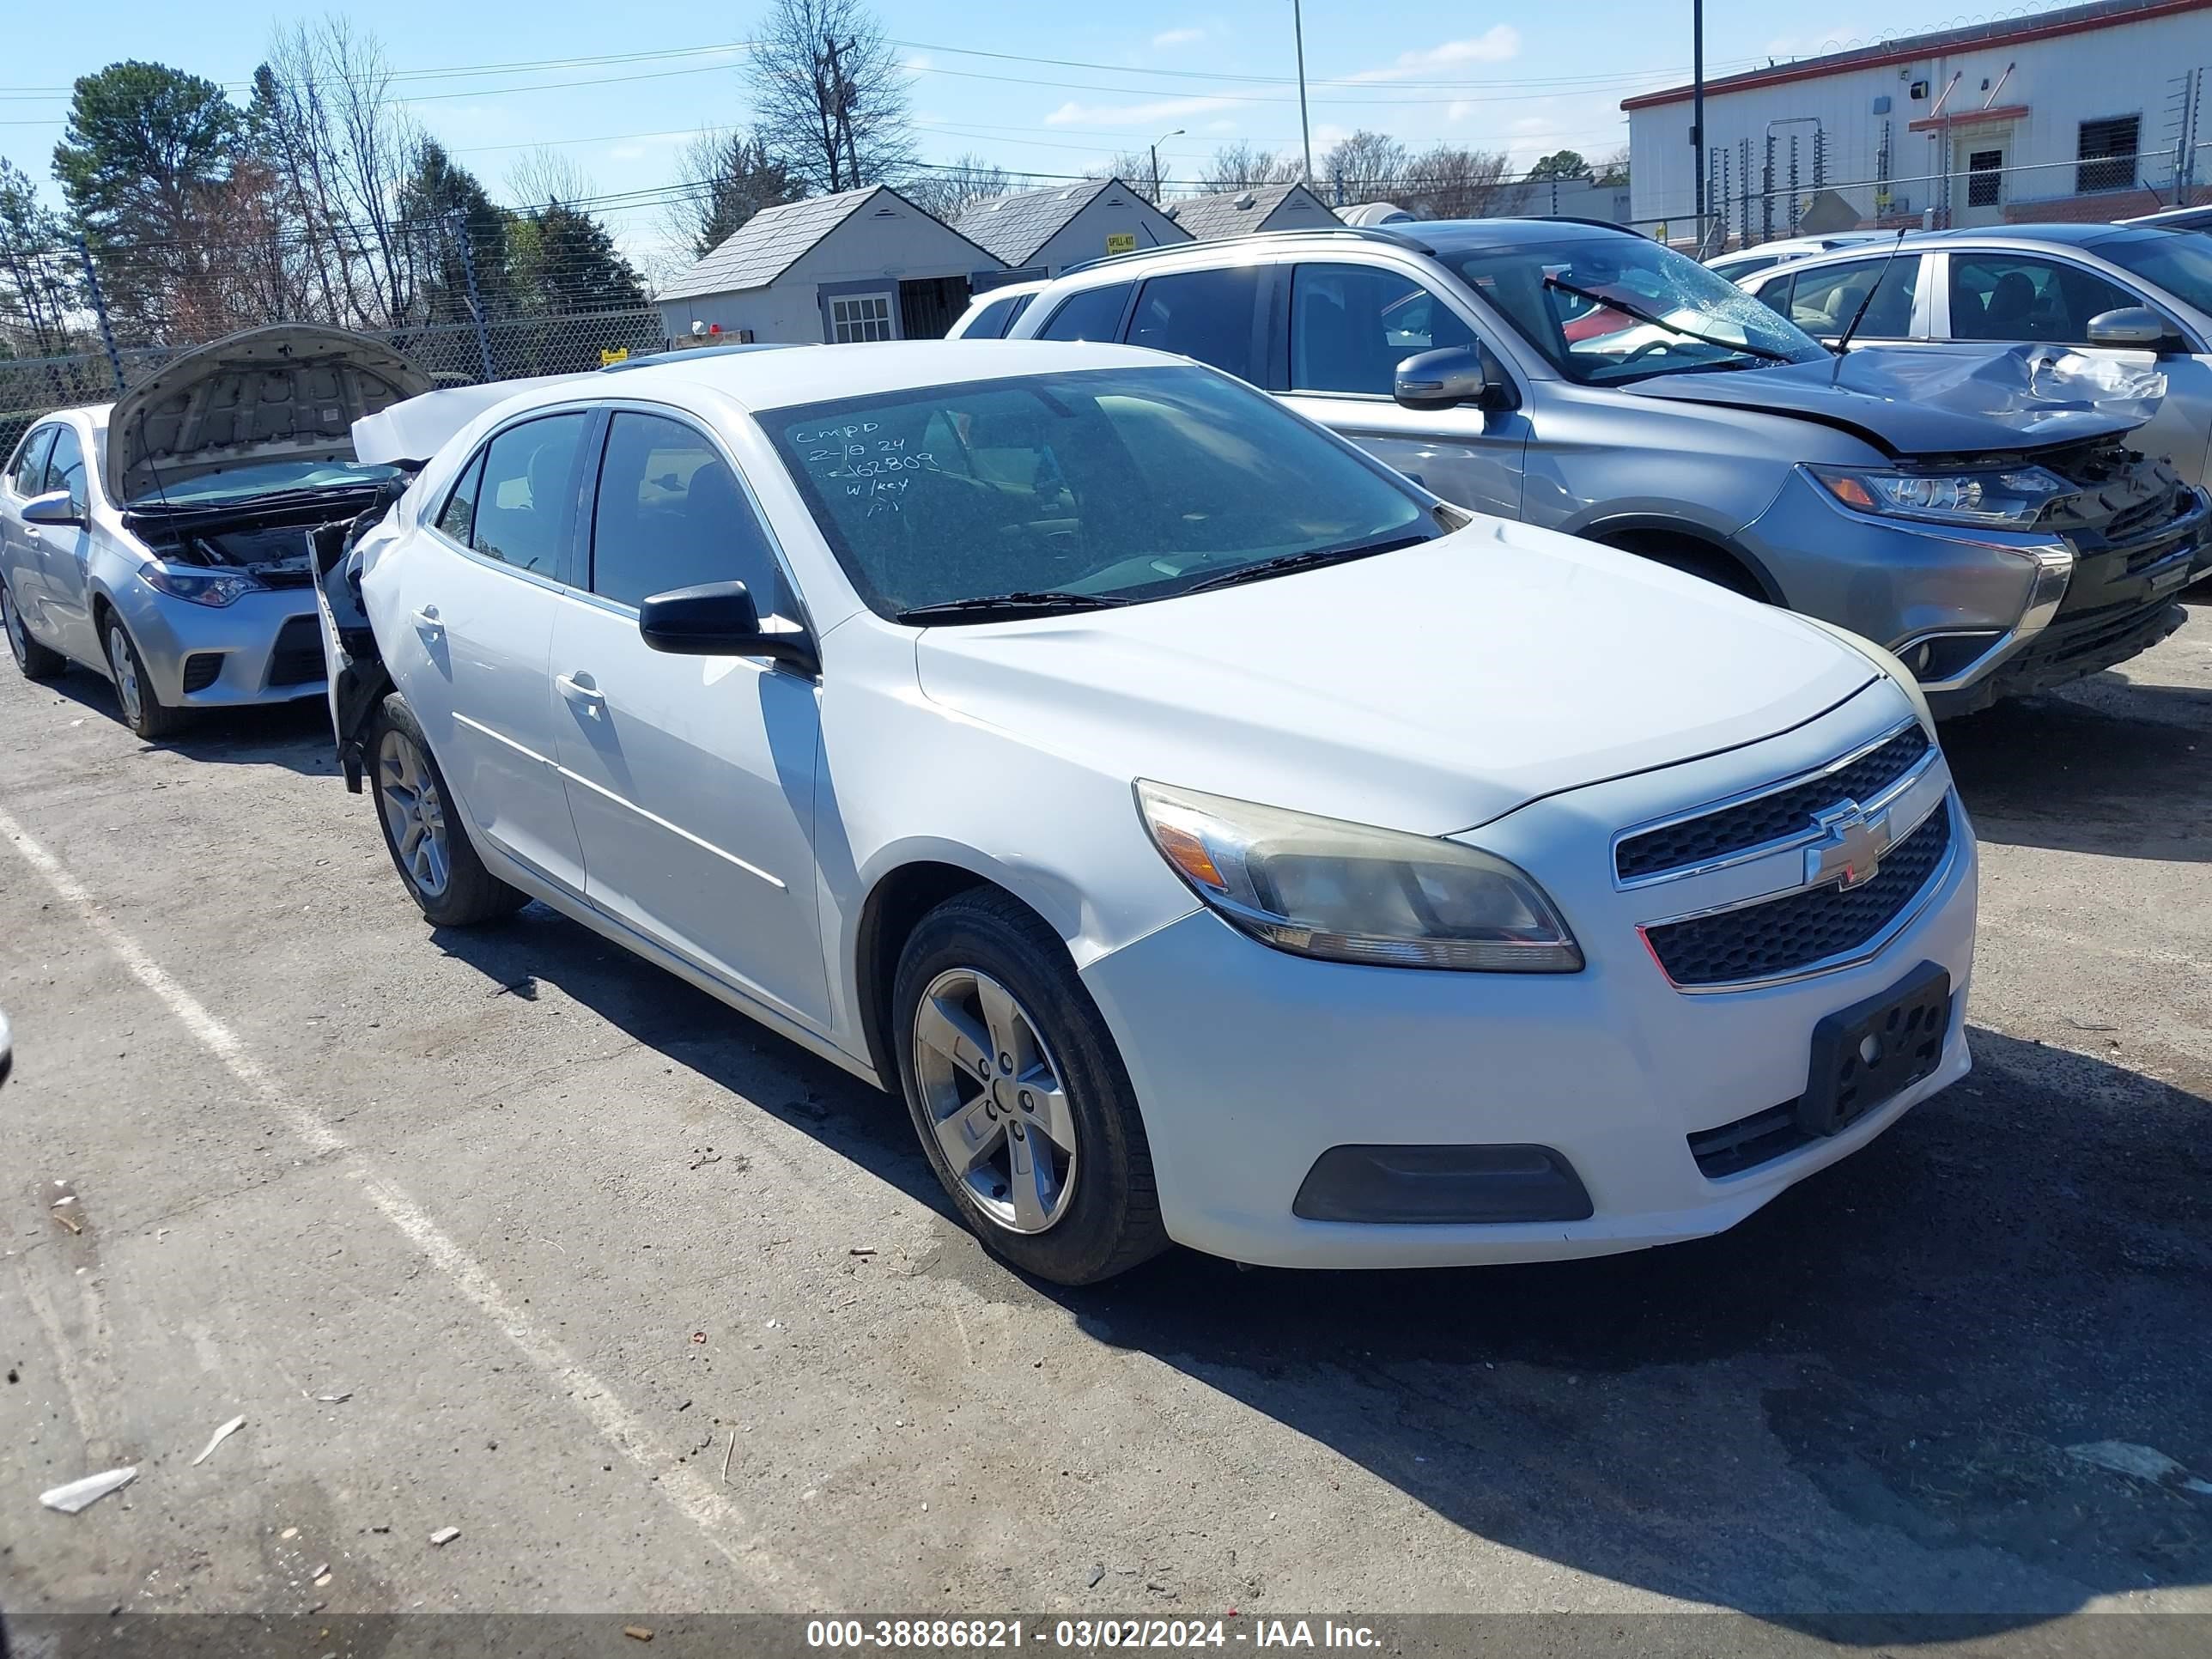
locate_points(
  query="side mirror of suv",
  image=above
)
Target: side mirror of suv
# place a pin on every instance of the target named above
(1441, 378)
(720, 619)
(2137, 327)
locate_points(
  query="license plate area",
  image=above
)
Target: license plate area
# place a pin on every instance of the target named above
(1865, 1055)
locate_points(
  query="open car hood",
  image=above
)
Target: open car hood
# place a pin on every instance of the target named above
(291, 391)
(1922, 403)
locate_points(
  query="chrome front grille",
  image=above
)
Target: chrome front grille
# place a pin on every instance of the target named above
(1727, 832)
(1805, 931)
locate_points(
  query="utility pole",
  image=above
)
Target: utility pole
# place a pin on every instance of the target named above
(1698, 109)
(1305, 132)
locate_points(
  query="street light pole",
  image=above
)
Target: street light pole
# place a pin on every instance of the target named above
(1305, 132)
(1156, 143)
(1697, 113)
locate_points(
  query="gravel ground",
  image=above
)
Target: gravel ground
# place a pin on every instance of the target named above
(664, 1315)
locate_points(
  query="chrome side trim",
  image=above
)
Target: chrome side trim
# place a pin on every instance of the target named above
(1765, 850)
(1874, 947)
(2054, 570)
(653, 819)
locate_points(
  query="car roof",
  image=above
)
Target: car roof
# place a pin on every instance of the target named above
(775, 380)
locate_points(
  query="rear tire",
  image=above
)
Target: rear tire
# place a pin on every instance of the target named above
(143, 711)
(37, 661)
(428, 842)
(1005, 1061)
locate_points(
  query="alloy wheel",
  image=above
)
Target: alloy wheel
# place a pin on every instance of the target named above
(996, 1101)
(414, 812)
(127, 689)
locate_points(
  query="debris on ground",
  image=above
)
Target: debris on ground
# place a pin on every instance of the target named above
(698, 1336)
(217, 1438)
(80, 1494)
(727, 1455)
(2143, 1462)
(637, 1632)
(2090, 1024)
(1097, 1575)
(701, 1159)
(445, 1535)
(64, 1210)
(861, 1250)
(337, 1399)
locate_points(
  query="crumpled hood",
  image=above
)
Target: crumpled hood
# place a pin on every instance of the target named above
(291, 391)
(1923, 404)
(1432, 690)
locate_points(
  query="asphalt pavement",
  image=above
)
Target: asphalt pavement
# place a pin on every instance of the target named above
(504, 1231)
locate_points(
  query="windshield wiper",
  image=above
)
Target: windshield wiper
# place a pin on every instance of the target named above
(1020, 603)
(1628, 309)
(1285, 562)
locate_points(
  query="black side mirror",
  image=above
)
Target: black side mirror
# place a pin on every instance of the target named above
(1442, 378)
(2132, 327)
(53, 509)
(720, 619)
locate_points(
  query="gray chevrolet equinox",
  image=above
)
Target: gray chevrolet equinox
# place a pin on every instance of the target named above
(1588, 380)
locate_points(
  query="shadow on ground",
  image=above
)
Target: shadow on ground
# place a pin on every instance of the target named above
(294, 734)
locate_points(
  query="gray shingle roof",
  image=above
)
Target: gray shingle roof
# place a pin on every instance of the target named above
(767, 244)
(1237, 211)
(1015, 227)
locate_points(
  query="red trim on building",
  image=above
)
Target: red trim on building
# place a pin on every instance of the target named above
(1972, 117)
(1814, 69)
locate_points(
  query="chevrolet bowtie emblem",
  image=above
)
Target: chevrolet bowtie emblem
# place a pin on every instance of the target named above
(1850, 846)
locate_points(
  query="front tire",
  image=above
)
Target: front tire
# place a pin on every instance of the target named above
(1018, 1096)
(430, 846)
(143, 711)
(37, 661)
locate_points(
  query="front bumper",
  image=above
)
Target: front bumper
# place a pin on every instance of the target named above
(267, 647)
(1250, 1064)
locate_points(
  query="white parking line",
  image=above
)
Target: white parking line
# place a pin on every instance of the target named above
(705, 1507)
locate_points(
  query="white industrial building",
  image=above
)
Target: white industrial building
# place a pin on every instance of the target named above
(863, 265)
(2087, 113)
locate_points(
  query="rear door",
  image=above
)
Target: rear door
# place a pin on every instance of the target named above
(20, 543)
(475, 595)
(690, 779)
(1349, 327)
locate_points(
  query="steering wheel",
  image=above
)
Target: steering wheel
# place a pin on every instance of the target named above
(1643, 351)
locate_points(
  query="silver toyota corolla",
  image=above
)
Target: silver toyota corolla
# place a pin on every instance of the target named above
(164, 540)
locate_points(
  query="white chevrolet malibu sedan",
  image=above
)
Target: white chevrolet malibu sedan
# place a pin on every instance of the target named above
(1210, 835)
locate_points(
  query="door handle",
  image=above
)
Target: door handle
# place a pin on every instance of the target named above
(580, 694)
(426, 619)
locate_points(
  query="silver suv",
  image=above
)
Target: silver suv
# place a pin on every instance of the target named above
(1580, 377)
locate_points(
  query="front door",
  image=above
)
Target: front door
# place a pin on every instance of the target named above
(1977, 186)
(474, 603)
(1351, 326)
(64, 551)
(691, 779)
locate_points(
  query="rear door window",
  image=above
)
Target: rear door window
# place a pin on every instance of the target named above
(992, 321)
(1209, 315)
(2005, 296)
(1823, 303)
(670, 513)
(1093, 314)
(528, 494)
(1351, 325)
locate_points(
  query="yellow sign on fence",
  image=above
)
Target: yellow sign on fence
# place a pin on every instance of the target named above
(619, 355)
(1121, 241)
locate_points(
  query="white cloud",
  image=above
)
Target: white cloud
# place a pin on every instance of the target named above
(1495, 45)
(1073, 114)
(1167, 38)
(1223, 125)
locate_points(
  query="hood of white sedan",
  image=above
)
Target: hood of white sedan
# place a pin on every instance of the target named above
(1432, 690)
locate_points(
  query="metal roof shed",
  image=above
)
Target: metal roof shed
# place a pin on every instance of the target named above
(1261, 207)
(1040, 232)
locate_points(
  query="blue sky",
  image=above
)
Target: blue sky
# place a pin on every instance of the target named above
(1527, 78)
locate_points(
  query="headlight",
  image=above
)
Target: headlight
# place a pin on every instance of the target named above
(216, 588)
(1347, 892)
(2006, 500)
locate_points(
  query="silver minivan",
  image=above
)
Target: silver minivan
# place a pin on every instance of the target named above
(1583, 378)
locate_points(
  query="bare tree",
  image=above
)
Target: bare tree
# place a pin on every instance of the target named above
(1450, 182)
(723, 179)
(1366, 166)
(830, 95)
(950, 191)
(1133, 167)
(1241, 166)
(1613, 169)
(545, 174)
